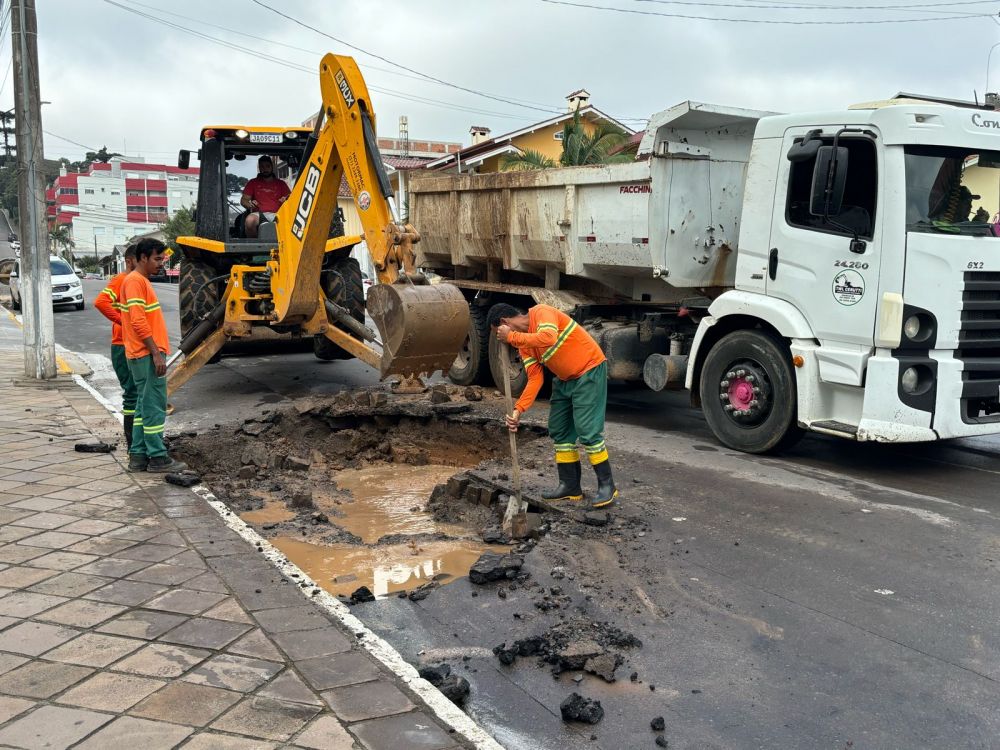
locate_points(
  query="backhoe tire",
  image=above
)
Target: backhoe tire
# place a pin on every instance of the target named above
(195, 299)
(342, 284)
(748, 393)
(518, 377)
(471, 366)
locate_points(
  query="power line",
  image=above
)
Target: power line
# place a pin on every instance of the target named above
(784, 22)
(798, 5)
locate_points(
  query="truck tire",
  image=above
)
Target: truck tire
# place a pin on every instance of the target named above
(341, 284)
(195, 299)
(751, 372)
(518, 377)
(472, 364)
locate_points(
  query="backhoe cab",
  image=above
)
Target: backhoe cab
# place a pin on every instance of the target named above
(297, 276)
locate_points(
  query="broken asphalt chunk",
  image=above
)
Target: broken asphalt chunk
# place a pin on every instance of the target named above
(604, 666)
(578, 708)
(98, 447)
(182, 480)
(362, 594)
(492, 566)
(658, 724)
(596, 518)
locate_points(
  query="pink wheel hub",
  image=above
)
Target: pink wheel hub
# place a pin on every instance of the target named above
(740, 393)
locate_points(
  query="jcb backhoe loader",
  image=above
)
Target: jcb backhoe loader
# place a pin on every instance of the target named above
(293, 278)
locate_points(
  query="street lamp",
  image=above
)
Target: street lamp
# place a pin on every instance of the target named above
(988, 58)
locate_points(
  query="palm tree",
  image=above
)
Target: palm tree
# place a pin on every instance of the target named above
(526, 160)
(61, 237)
(599, 147)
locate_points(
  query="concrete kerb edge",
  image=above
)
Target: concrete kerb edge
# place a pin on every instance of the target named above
(442, 708)
(378, 648)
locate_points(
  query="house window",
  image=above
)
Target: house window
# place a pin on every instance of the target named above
(558, 135)
(88, 191)
(857, 214)
(113, 192)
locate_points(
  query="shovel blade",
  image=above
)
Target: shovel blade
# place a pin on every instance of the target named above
(422, 326)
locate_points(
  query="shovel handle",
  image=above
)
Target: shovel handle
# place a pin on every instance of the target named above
(515, 464)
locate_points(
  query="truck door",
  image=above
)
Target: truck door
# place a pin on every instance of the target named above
(817, 265)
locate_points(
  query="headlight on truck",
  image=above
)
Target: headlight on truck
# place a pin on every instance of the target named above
(916, 380)
(918, 328)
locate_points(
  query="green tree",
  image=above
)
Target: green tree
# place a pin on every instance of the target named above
(8, 190)
(60, 237)
(179, 225)
(235, 183)
(103, 156)
(603, 145)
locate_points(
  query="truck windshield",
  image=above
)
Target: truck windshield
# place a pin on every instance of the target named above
(952, 191)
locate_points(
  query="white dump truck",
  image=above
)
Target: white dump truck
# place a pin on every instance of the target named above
(836, 272)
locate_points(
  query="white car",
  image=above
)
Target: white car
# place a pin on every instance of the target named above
(66, 286)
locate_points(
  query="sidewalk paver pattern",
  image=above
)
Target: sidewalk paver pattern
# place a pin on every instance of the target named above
(132, 616)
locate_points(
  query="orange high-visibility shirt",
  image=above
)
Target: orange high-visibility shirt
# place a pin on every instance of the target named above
(142, 317)
(109, 303)
(556, 341)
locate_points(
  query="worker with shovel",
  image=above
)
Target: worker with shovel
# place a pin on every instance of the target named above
(548, 337)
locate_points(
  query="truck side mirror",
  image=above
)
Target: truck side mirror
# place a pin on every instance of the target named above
(184, 159)
(829, 181)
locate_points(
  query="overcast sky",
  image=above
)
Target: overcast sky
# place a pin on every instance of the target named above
(144, 87)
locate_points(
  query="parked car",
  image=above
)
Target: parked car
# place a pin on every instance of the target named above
(92, 275)
(66, 286)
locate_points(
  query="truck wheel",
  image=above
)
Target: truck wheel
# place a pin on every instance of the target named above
(748, 393)
(341, 284)
(518, 377)
(471, 364)
(195, 299)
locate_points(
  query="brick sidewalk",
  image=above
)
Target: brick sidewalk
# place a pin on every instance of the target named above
(132, 616)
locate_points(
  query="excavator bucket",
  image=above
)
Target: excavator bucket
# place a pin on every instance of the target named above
(422, 326)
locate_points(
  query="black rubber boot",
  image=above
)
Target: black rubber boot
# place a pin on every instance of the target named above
(127, 426)
(569, 483)
(137, 463)
(165, 464)
(606, 490)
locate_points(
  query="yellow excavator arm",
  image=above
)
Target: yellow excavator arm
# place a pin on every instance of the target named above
(422, 327)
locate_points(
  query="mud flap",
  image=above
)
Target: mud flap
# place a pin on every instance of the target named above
(422, 326)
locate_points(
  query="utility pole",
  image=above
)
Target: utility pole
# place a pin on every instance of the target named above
(36, 287)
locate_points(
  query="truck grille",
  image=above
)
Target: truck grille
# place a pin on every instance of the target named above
(979, 347)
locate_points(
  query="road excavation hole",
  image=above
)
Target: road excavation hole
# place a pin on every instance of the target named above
(342, 487)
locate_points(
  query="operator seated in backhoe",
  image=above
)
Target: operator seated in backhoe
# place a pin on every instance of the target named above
(262, 196)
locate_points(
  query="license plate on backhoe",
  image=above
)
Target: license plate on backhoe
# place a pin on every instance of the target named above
(265, 138)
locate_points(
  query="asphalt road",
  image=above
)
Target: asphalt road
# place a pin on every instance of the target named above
(843, 593)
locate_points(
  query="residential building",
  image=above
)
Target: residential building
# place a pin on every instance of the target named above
(117, 200)
(485, 153)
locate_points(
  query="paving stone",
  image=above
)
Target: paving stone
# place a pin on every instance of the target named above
(291, 618)
(41, 679)
(338, 670)
(132, 593)
(108, 691)
(136, 533)
(412, 731)
(90, 526)
(326, 733)
(141, 623)
(162, 660)
(14, 554)
(170, 575)
(187, 703)
(207, 582)
(18, 577)
(228, 610)
(266, 717)
(61, 560)
(93, 649)
(234, 673)
(54, 539)
(70, 584)
(34, 638)
(27, 603)
(173, 539)
(185, 601)
(367, 701)
(13, 533)
(115, 567)
(9, 661)
(129, 732)
(214, 741)
(203, 633)
(82, 613)
(101, 546)
(39, 504)
(257, 645)
(149, 552)
(44, 521)
(188, 558)
(11, 707)
(288, 686)
(309, 644)
(51, 727)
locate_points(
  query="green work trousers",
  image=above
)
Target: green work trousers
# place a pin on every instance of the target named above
(129, 395)
(576, 412)
(150, 409)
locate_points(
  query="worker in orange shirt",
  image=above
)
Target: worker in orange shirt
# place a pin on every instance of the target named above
(146, 347)
(110, 304)
(549, 337)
